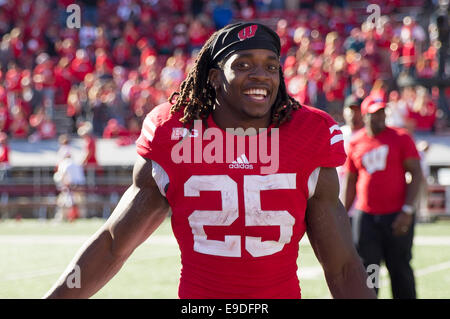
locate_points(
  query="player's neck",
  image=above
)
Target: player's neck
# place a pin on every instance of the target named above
(226, 119)
(373, 131)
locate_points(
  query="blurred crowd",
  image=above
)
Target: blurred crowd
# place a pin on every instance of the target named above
(130, 55)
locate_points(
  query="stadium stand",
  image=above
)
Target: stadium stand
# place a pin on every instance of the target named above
(130, 55)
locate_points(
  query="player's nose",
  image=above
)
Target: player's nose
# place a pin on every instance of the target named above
(260, 73)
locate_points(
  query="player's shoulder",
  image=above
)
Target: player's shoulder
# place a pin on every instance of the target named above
(313, 117)
(162, 113)
(398, 135)
(160, 121)
(359, 134)
(400, 131)
(357, 137)
(309, 124)
(318, 134)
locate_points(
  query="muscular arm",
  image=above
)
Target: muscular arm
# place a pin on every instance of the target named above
(403, 221)
(139, 212)
(412, 189)
(328, 229)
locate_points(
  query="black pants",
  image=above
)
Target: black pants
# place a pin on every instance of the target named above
(376, 242)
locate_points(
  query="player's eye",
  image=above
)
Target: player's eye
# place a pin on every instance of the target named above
(273, 67)
(242, 65)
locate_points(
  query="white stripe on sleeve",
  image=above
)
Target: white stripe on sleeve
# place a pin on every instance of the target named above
(335, 127)
(160, 176)
(148, 135)
(312, 182)
(336, 139)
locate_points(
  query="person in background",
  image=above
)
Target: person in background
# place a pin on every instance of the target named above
(69, 177)
(64, 149)
(90, 145)
(113, 130)
(422, 113)
(378, 159)
(44, 127)
(19, 127)
(44, 81)
(5, 118)
(396, 110)
(353, 123)
(422, 202)
(352, 117)
(4, 156)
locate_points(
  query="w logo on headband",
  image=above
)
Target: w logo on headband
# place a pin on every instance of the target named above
(247, 32)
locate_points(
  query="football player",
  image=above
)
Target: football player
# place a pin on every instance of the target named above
(238, 226)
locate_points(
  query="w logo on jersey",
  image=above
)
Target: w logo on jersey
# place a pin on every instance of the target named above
(375, 160)
(247, 32)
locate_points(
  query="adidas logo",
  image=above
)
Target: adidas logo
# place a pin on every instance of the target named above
(241, 162)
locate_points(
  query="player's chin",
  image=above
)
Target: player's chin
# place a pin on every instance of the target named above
(257, 112)
(257, 108)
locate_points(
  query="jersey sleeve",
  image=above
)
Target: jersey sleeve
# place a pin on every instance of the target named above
(331, 151)
(154, 142)
(147, 144)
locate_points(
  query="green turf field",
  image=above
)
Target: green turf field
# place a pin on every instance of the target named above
(33, 254)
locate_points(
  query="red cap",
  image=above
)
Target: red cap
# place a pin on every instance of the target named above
(371, 104)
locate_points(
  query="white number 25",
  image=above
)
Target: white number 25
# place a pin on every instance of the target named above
(254, 216)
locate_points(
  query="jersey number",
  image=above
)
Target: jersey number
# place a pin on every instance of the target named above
(254, 215)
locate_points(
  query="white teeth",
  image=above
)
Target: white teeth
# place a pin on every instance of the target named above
(256, 92)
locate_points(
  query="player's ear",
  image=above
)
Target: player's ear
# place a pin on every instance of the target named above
(213, 78)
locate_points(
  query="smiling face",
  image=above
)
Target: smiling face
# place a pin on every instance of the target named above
(246, 87)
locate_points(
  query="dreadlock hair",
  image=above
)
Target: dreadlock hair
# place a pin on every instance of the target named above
(197, 95)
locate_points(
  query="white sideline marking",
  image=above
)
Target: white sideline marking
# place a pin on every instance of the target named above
(72, 239)
(313, 272)
(432, 269)
(418, 240)
(384, 280)
(432, 241)
(417, 273)
(58, 270)
(309, 272)
(31, 274)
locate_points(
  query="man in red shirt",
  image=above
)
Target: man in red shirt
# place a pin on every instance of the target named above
(114, 129)
(378, 158)
(81, 65)
(238, 222)
(44, 81)
(90, 157)
(4, 155)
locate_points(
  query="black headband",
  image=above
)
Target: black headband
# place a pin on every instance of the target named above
(243, 36)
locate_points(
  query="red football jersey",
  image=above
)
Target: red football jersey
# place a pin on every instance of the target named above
(239, 228)
(378, 161)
